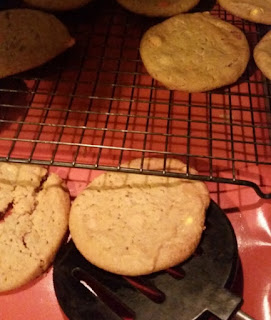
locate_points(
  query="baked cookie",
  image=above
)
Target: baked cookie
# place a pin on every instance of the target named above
(34, 213)
(158, 8)
(262, 55)
(28, 39)
(57, 5)
(194, 52)
(252, 10)
(135, 224)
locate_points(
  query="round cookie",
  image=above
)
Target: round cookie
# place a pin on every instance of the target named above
(262, 55)
(194, 52)
(30, 38)
(34, 214)
(252, 10)
(158, 8)
(57, 5)
(135, 224)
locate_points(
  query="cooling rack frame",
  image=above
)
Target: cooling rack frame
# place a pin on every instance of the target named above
(95, 107)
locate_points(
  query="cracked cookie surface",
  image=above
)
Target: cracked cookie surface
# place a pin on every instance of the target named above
(133, 224)
(194, 52)
(34, 220)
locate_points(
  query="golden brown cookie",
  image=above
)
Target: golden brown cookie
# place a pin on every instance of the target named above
(34, 213)
(262, 55)
(194, 52)
(252, 10)
(57, 5)
(28, 39)
(133, 224)
(158, 8)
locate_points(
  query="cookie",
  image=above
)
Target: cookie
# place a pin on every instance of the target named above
(158, 8)
(194, 52)
(57, 5)
(262, 55)
(135, 224)
(28, 39)
(258, 11)
(34, 212)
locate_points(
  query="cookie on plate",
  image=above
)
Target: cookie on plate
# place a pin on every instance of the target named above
(252, 10)
(135, 224)
(262, 55)
(57, 5)
(194, 52)
(28, 39)
(34, 211)
(158, 8)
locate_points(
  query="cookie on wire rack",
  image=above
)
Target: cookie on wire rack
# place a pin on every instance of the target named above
(258, 11)
(194, 52)
(135, 224)
(57, 5)
(262, 55)
(30, 38)
(34, 211)
(158, 8)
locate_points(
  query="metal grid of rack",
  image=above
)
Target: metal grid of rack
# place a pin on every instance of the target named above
(95, 107)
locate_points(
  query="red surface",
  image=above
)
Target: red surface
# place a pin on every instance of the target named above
(249, 215)
(251, 219)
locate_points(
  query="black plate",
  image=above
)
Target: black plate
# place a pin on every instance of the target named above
(200, 292)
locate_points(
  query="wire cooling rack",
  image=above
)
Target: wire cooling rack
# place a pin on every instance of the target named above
(95, 107)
